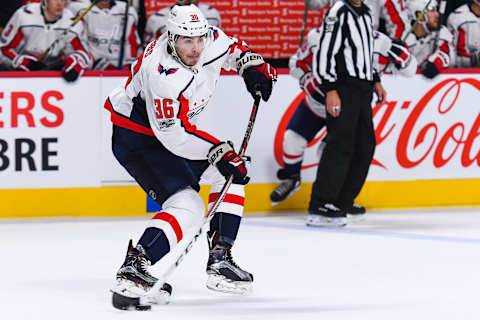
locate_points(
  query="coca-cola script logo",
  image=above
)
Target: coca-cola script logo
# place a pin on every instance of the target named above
(439, 124)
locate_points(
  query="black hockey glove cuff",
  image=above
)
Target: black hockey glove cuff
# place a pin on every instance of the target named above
(228, 162)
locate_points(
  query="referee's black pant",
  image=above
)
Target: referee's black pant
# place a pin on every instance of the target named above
(350, 144)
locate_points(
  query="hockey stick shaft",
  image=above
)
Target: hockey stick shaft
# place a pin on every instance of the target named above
(124, 36)
(221, 195)
(304, 23)
(420, 16)
(46, 54)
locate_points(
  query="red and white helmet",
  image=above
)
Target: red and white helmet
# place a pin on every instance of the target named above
(416, 6)
(186, 21)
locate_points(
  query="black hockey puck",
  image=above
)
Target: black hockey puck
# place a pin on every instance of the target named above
(127, 303)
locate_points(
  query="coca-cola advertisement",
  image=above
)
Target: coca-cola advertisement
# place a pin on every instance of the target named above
(425, 130)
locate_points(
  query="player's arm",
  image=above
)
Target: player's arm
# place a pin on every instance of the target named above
(301, 67)
(13, 39)
(386, 49)
(441, 57)
(132, 40)
(397, 23)
(77, 57)
(461, 57)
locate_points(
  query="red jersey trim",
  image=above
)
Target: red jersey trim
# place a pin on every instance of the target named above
(192, 129)
(229, 198)
(8, 50)
(125, 123)
(395, 17)
(167, 217)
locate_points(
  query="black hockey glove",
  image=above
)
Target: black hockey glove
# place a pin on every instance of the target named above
(399, 53)
(257, 74)
(228, 162)
(430, 70)
(28, 63)
(74, 67)
(260, 78)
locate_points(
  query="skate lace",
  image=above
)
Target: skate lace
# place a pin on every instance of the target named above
(229, 258)
(285, 186)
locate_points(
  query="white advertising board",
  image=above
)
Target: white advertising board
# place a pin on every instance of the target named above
(58, 135)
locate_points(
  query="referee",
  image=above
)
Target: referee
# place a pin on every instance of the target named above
(344, 64)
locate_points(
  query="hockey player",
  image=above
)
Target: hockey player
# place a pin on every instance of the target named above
(104, 28)
(156, 24)
(393, 12)
(155, 138)
(395, 15)
(309, 118)
(33, 29)
(431, 56)
(464, 23)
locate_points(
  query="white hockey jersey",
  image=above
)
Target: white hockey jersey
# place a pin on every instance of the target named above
(156, 24)
(104, 28)
(424, 47)
(465, 27)
(175, 95)
(27, 33)
(301, 63)
(394, 13)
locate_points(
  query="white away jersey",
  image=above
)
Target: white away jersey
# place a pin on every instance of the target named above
(465, 27)
(424, 47)
(156, 24)
(175, 95)
(104, 28)
(394, 13)
(27, 33)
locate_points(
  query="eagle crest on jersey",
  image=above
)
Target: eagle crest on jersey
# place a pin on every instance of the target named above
(167, 71)
(215, 33)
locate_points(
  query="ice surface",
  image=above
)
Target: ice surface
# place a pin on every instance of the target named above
(405, 264)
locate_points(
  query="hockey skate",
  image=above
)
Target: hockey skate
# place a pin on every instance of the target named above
(134, 284)
(289, 185)
(356, 212)
(224, 274)
(326, 215)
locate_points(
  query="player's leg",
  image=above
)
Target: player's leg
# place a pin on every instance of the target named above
(301, 129)
(173, 185)
(223, 273)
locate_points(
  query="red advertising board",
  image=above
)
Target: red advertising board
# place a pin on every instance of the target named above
(271, 28)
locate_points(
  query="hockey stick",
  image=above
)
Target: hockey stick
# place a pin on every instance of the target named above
(420, 16)
(304, 23)
(218, 201)
(124, 36)
(47, 52)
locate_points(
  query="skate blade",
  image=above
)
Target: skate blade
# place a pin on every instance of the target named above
(221, 284)
(325, 222)
(274, 203)
(356, 217)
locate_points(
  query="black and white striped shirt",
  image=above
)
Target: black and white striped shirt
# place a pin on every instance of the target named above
(346, 45)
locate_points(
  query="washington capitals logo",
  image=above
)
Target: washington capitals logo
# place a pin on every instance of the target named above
(215, 33)
(162, 69)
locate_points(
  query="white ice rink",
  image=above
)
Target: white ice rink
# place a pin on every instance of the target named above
(394, 265)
